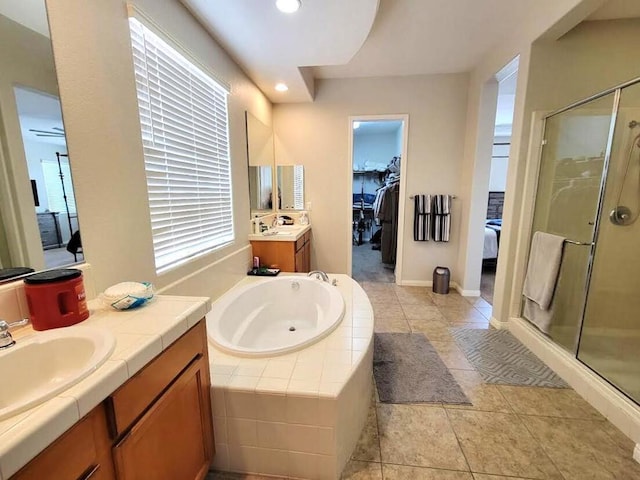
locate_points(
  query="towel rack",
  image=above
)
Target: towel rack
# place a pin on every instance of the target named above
(413, 196)
(573, 242)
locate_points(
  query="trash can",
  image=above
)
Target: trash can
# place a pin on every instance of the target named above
(441, 277)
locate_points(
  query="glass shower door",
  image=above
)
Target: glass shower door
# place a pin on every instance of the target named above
(610, 338)
(569, 183)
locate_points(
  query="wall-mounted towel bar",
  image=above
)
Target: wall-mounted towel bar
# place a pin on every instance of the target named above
(413, 196)
(573, 242)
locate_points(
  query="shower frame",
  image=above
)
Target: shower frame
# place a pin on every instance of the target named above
(617, 91)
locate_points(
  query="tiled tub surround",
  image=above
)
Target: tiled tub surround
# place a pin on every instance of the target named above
(141, 335)
(300, 414)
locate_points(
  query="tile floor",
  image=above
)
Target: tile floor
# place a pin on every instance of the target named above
(509, 433)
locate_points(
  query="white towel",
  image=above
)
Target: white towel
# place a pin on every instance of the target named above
(542, 275)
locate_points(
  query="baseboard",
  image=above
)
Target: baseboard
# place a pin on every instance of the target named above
(620, 411)
(497, 324)
(416, 283)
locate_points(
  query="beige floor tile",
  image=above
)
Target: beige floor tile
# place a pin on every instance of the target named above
(482, 476)
(451, 355)
(483, 396)
(362, 471)
(619, 438)
(463, 315)
(478, 302)
(413, 296)
(427, 312)
(386, 296)
(376, 286)
(402, 472)
(418, 435)
(582, 449)
(391, 325)
(368, 447)
(549, 402)
(499, 444)
(434, 330)
(452, 299)
(387, 310)
(486, 311)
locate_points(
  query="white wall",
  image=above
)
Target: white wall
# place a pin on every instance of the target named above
(98, 94)
(377, 149)
(317, 136)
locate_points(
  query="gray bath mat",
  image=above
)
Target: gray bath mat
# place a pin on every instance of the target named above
(500, 358)
(409, 370)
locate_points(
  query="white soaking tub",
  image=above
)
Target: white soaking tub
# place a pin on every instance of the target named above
(275, 316)
(297, 414)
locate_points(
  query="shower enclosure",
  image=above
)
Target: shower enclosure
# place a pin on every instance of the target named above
(589, 193)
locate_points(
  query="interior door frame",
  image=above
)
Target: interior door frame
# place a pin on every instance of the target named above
(404, 118)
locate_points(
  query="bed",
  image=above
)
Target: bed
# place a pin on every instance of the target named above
(492, 231)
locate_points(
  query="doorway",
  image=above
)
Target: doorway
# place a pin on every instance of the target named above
(377, 149)
(507, 79)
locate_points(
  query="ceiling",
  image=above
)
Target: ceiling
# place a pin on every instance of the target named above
(30, 13)
(356, 38)
(616, 9)
(39, 111)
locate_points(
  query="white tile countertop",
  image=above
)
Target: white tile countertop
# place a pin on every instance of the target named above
(282, 233)
(140, 335)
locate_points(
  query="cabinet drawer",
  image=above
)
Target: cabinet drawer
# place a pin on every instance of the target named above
(135, 396)
(80, 453)
(300, 243)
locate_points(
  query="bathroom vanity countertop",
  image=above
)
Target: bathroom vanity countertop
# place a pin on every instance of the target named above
(140, 334)
(284, 233)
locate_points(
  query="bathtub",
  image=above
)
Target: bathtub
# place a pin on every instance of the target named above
(275, 316)
(295, 414)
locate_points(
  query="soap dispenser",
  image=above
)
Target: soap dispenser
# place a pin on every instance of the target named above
(304, 218)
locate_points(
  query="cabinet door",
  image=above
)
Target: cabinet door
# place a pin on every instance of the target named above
(82, 453)
(300, 263)
(307, 256)
(174, 439)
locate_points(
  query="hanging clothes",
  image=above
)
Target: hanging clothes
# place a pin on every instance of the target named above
(422, 218)
(441, 218)
(389, 219)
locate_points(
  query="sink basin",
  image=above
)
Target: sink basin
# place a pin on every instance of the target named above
(45, 364)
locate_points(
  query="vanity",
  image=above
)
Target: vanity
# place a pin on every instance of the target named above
(143, 413)
(286, 247)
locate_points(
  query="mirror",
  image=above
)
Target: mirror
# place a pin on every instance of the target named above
(290, 187)
(261, 190)
(261, 159)
(38, 219)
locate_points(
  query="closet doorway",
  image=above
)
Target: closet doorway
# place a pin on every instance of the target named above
(378, 146)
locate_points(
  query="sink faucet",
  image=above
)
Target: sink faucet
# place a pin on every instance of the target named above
(6, 340)
(319, 275)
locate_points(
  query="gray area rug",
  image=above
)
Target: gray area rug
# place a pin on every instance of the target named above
(408, 369)
(500, 358)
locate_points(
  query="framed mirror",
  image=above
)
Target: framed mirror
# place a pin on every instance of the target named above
(290, 187)
(38, 216)
(260, 155)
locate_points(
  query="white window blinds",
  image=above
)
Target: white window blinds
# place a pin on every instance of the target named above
(298, 187)
(185, 134)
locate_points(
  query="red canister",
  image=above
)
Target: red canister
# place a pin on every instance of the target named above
(56, 298)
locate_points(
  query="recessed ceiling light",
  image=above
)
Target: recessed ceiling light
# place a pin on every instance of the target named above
(288, 6)
(281, 87)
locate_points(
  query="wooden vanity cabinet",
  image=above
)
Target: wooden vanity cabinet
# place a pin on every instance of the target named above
(83, 452)
(287, 256)
(157, 425)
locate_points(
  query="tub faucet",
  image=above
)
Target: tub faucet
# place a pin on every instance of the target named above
(6, 340)
(319, 275)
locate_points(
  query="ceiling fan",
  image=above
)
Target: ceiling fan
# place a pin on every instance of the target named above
(56, 132)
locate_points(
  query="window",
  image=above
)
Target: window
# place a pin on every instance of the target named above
(185, 135)
(298, 187)
(53, 186)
